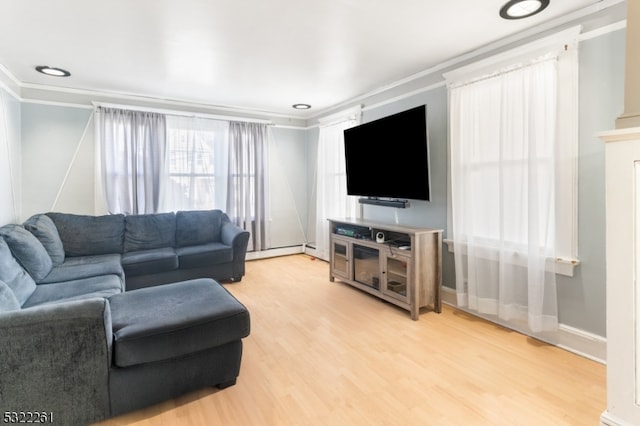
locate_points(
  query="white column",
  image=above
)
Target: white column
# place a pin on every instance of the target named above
(622, 152)
(631, 115)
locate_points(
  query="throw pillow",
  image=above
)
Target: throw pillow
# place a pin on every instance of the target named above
(8, 301)
(20, 283)
(45, 230)
(28, 250)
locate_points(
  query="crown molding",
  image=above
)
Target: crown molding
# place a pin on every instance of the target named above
(20, 90)
(521, 37)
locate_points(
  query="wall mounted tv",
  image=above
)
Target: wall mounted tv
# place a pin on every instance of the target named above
(387, 160)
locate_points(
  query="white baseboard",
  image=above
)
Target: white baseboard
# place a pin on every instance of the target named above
(608, 419)
(283, 251)
(582, 343)
(574, 340)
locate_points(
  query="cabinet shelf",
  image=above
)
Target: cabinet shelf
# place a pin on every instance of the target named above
(409, 278)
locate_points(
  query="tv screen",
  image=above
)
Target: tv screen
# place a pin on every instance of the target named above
(389, 157)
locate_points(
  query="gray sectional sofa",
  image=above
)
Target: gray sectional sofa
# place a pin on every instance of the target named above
(100, 315)
(152, 248)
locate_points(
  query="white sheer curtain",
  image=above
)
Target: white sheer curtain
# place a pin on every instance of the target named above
(247, 188)
(131, 147)
(503, 145)
(331, 182)
(196, 168)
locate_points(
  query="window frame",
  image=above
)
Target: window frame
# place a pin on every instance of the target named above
(565, 45)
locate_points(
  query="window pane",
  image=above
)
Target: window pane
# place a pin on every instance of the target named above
(197, 152)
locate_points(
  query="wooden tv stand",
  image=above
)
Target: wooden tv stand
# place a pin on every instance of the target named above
(405, 269)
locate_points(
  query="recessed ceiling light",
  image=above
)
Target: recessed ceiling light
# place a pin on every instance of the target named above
(55, 72)
(301, 106)
(519, 9)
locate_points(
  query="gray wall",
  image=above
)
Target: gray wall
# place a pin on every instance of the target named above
(57, 161)
(288, 202)
(10, 158)
(312, 148)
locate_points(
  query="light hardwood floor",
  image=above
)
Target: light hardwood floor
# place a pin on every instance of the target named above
(323, 353)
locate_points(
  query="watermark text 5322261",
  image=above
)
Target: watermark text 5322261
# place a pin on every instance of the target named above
(34, 417)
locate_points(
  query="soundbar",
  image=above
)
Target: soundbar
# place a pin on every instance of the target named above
(386, 202)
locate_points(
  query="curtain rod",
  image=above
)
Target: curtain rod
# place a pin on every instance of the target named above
(557, 43)
(181, 113)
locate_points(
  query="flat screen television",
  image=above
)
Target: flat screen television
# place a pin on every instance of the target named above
(389, 158)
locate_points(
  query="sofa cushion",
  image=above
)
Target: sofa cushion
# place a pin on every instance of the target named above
(18, 280)
(198, 227)
(149, 231)
(204, 255)
(28, 250)
(8, 301)
(89, 235)
(171, 320)
(149, 261)
(43, 228)
(75, 268)
(85, 288)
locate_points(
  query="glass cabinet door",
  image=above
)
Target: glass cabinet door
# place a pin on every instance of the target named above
(340, 259)
(397, 277)
(366, 266)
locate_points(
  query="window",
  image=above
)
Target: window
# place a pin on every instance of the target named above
(556, 164)
(196, 163)
(162, 161)
(513, 139)
(502, 165)
(331, 180)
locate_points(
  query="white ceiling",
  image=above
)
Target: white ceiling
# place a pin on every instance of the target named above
(256, 55)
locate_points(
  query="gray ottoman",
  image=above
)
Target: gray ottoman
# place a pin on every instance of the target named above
(174, 338)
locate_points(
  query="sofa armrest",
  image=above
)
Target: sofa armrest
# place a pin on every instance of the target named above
(237, 238)
(55, 358)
